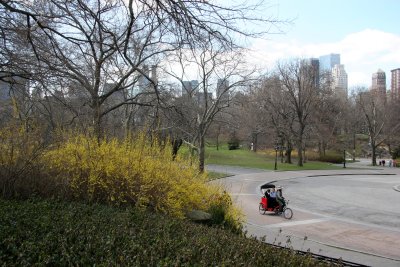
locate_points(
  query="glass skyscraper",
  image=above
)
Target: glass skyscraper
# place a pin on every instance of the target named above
(327, 62)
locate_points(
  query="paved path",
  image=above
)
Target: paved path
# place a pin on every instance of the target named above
(331, 232)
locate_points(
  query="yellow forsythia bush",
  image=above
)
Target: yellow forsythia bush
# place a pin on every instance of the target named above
(20, 148)
(17, 145)
(135, 171)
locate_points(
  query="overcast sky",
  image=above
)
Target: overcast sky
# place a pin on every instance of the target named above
(365, 33)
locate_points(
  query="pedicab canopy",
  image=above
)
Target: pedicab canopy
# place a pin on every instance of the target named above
(267, 186)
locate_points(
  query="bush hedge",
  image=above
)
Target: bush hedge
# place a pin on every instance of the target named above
(135, 171)
(138, 171)
(55, 233)
(332, 158)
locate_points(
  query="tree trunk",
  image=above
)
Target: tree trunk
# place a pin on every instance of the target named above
(255, 139)
(300, 145)
(373, 153)
(218, 133)
(288, 152)
(354, 146)
(128, 121)
(176, 144)
(320, 149)
(201, 153)
(288, 156)
(97, 120)
(300, 155)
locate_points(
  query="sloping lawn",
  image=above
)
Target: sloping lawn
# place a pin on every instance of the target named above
(249, 159)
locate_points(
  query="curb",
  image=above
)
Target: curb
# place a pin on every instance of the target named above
(397, 188)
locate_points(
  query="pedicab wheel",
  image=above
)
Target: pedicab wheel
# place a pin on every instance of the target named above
(288, 213)
(276, 210)
(261, 209)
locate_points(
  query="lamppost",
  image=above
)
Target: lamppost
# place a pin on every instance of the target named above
(344, 158)
(276, 156)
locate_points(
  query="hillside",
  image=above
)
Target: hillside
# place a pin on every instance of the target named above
(55, 233)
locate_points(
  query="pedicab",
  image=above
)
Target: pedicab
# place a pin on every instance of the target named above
(270, 205)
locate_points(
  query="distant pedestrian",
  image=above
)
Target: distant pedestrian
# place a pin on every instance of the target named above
(390, 163)
(380, 163)
(394, 163)
(383, 163)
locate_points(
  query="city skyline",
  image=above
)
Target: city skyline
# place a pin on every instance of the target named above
(365, 35)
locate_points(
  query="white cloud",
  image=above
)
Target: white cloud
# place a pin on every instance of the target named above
(363, 53)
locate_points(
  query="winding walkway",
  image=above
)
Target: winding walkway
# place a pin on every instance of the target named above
(344, 230)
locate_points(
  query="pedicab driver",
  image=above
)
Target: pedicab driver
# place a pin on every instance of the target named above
(280, 198)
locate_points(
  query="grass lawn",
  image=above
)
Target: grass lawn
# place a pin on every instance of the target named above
(216, 175)
(249, 159)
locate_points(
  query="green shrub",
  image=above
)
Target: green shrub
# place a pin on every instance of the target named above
(49, 233)
(233, 144)
(395, 153)
(332, 158)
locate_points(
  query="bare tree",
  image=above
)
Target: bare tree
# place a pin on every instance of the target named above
(103, 48)
(218, 130)
(393, 124)
(354, 123)
(300, 92)
(329, 114)
(220, 71)
(251, 116)
(374, 118)
(378, 118)
(280, 116)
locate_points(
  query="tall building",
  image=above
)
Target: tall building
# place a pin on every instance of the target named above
(395, 84)
(143, 81)
(151, 73)
(379, 83)
(327, 62)
(314, 62)
(190, 87)
(202, 98)
(146, 81)
(339, 79)
(222, 89)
